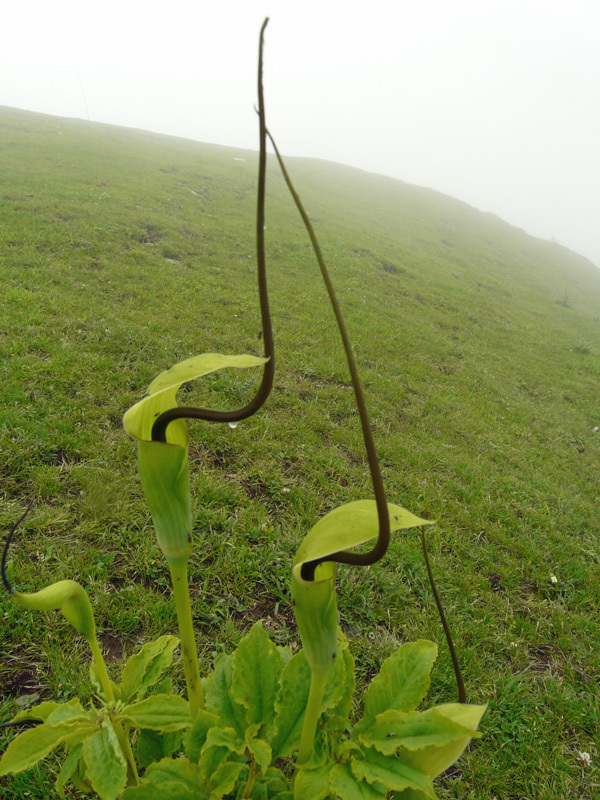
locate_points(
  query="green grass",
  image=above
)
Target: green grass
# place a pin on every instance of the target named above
(123, 251)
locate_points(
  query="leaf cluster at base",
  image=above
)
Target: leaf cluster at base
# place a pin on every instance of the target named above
(242, 743)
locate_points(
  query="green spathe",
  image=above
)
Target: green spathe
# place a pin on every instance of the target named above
(315, 606)
(348, 526)
(105, 763)
(70, 598)
(163, 466)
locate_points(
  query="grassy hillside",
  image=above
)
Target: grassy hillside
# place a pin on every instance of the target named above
(123, 251)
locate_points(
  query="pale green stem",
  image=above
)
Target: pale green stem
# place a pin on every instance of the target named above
(318, 679)
(179, 580)
(109, 696)
(123, 737)
(251, 778)
(101, 672)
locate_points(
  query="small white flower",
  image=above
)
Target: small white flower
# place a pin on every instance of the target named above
(595, 429)
(553, 579)
(584, 759)
(285, 489)
(513, 645)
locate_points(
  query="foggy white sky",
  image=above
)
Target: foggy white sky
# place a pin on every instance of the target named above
(495, 102)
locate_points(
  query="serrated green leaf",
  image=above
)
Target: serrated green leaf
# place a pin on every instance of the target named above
(179, 770)
(257, 667)
(67, 769)
(211, 759)
(345, 785)
(285, 653)
(337, 697)
(273, 784)
(79, 778)
(391, 772)
(313, 784)
(218, 699)
(153, 746)
(338, 715)
(145, 668)
(225, 737)
(290, 706)
(159, 712)
(66, 712)
(402, 681)
(196, 736)
(411, 730)
(97, 683)
(41, 711)
(165, 686)
(261, 752)
(106, 767)
(170, 779)
(224, 779)
(169, 790)
(32, 745)
(434, 760)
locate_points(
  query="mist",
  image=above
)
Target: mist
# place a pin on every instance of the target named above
(494, 103)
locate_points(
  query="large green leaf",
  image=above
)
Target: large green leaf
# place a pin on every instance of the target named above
(196, 736)
(225, 737)
(32, 745)
(347, 786)
(348, 526)
(66, 712)
(41, 711)
(392, 772)
(154, 746)
(413, 731)
(67, 769)
(402, 681)
(257, 668)
(170, 779)
(313, 784)
(169, 790)
(145, 668)
(218, 698)
(105, 763)
(159, 712)
(290, 705)
(224, 779)
(261, 752)
(337, 697)
(435, 759)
